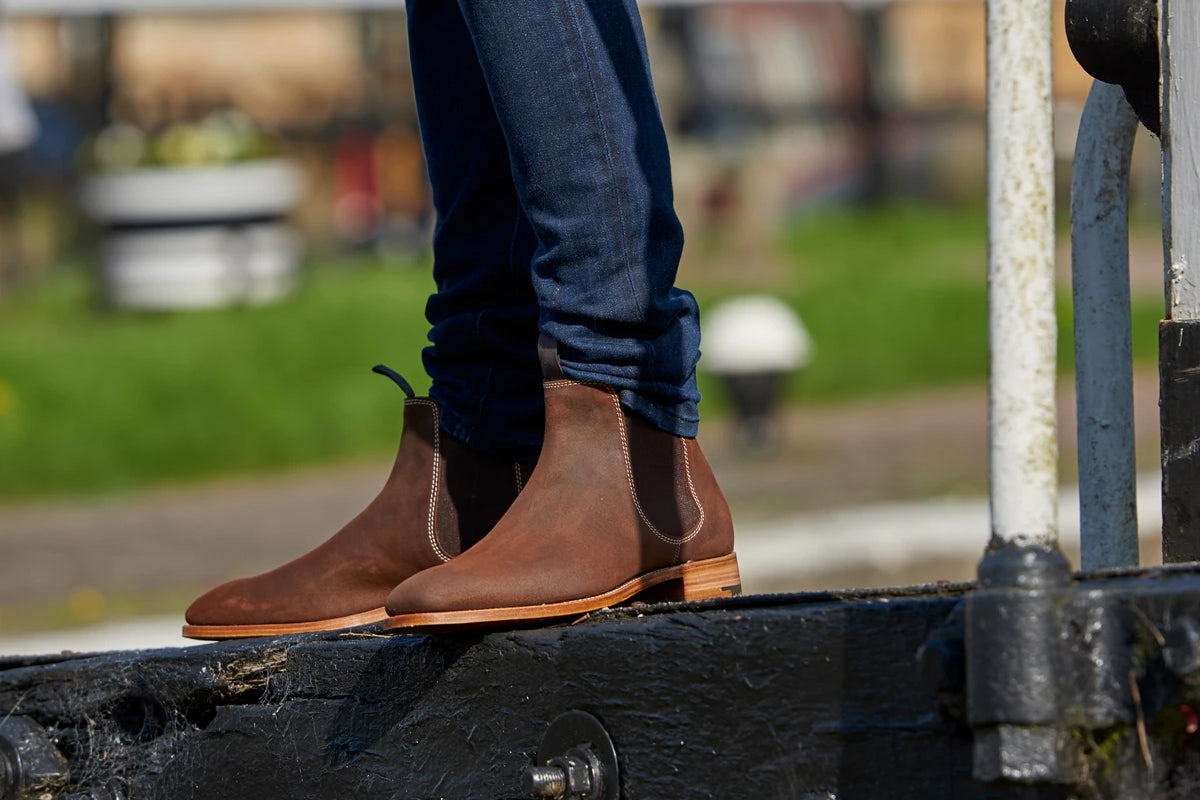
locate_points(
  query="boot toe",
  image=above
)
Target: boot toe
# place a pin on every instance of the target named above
(228, 604)
(269, 600)
(429, 591)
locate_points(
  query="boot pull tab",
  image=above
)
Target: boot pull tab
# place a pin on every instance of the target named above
(396, 378)
(548, 355)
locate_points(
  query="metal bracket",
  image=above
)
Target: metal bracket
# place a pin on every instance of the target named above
(30, 764)
(1016, 668)
(1116, 41)
(576, 761)
(1065, 681)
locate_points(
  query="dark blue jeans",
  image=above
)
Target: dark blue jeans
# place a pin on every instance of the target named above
(552, 186)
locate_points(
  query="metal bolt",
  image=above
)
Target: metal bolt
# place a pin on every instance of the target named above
(1025, 754)
(575, 761)
(8, 781)
(29, 762)
(548, 782)
(571, 776)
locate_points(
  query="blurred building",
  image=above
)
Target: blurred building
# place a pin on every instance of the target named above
(772, 106)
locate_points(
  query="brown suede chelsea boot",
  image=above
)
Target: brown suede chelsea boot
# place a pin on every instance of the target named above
(617, 509)
(440, 498)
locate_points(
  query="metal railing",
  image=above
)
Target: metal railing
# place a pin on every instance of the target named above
(1103, 340)
(1022, 425)
(1100, 268)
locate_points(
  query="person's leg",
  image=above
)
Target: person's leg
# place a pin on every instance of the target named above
(484, 315)
(571, 86)
(622, 500)
(457, 470)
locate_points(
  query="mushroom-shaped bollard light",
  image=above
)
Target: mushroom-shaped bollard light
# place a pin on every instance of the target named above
(753, 343)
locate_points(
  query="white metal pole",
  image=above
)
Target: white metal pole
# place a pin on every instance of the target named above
(1181, 156)
(1103, 341)
(1021, 423)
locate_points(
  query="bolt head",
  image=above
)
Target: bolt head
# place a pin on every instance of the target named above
(1025, 754)
(8, 778)
(578, 770)
(32, 764)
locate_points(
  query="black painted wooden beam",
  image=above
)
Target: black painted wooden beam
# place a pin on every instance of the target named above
(801, 696)
(1179, 395)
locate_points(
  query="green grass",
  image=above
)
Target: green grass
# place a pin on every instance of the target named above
(896, 301)
(93, 400)
(97, 401)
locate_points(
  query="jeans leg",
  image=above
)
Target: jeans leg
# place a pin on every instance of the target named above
(570, 83)
(483, 361)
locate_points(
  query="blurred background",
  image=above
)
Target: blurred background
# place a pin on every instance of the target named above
(218, 221)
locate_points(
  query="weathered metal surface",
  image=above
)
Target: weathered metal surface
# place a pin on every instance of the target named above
(1181, 156)
(1103, 339)
(576, 760)
(804, 696)
(1016, 699)
(30, 764)
(1116, 41)
(1179, 344)
(1179, 401)
(1022, 329)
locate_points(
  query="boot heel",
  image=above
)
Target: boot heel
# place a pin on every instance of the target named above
(703, 580)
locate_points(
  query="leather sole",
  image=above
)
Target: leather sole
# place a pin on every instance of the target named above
(695, 580)
(216, 632)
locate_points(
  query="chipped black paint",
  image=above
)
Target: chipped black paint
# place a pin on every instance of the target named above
(1179, 391)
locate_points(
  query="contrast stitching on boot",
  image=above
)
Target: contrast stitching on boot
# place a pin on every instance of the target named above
(520, 480)
(673, 540)
(639, 579)
(567, 383)
(687, 471)
(437, 469)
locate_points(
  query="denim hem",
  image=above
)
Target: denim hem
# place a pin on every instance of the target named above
(498, 446)
(680, 418)
(665, 418)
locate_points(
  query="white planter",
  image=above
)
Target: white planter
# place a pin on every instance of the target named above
(268, 187)
(196, 237)
(199, 267)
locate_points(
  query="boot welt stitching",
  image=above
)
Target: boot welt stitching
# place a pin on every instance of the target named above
(520, 480)
(433, 485)
(590, 598)
(687, 469)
